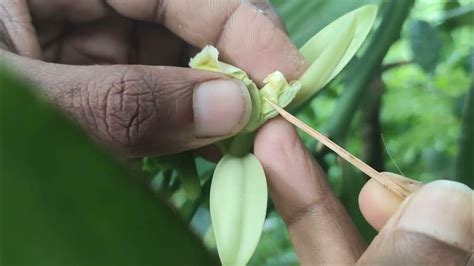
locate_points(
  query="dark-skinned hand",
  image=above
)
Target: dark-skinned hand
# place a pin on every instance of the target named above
(118, 67)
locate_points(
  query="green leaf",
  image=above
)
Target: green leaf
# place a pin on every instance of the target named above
(332, 48)
(425, 43)
(63, 201)
(238, 204)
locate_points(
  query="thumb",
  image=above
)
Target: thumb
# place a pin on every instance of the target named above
(143, 110)
(431, 227)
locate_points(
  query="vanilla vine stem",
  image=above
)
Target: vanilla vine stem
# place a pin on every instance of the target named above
(393, 184)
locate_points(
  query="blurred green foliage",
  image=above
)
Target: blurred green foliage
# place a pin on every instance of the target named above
(417, 99)
(425, 44)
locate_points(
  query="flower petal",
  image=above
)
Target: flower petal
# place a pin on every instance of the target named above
(331, 49)
(238, 203)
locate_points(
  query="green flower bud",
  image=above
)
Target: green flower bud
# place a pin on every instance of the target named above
(331, 49)
(238, 204)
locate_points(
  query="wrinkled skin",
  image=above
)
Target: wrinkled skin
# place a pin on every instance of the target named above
(128, 105)
(117, 68)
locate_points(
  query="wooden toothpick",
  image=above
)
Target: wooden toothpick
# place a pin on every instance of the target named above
(399, 186)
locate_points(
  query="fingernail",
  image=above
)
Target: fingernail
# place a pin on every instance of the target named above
(442, 210)
(221, 108)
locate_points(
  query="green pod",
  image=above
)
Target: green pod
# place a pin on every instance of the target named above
(238, 203)
(331, 49)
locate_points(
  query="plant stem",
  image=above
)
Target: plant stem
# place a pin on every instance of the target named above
(239, 145)
(464, 163)
(393, 65)
(371, 126)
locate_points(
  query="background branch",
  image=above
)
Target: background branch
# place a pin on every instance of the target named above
(360, 75)
(465, 159)
(371, 126)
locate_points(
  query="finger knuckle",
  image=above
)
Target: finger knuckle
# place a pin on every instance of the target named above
(434, 249)
(315, 208)
(129, 106)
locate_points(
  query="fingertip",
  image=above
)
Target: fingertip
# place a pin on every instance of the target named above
(377, 204)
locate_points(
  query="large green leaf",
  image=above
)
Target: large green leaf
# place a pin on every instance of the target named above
(65, 202)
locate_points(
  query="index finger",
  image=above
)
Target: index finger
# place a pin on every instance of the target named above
(320, 229)
(244, 36)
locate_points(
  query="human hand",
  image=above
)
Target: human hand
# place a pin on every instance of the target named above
(117, 66)
(434, 226)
